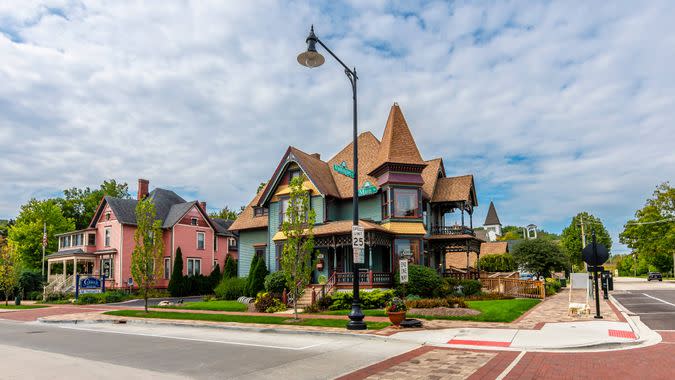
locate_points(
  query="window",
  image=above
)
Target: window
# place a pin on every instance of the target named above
(283, 206)
(107, 216)
(107, 237)
(91, 239)
(106, 268)
(407, 248)
(260, 251)
(294, 174)
(260, 211)
(167, 268)
(406, 203)
(280, 250)
(200, 240)
(385, 204)
(194, 267)
(77, 240)
(193, 221)
(215, 243)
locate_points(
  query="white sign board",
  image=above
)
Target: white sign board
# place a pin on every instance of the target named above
(358, 238)
(403, 271)
(89, 291)
(359, 256)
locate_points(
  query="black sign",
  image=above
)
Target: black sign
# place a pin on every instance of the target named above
(596, 269)
(591, 258)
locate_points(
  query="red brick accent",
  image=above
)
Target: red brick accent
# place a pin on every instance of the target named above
(495, 366)
(381, 366)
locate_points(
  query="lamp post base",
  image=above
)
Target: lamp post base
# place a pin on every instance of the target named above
(356, 318)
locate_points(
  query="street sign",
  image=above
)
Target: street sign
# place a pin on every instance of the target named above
(590, 258)
(596, 268)
(358, 238)
(403, 271)
(130, 282)
(359, 256)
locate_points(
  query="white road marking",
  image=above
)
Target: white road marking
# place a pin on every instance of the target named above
(659, 299)
(511, 366)
(195, 339)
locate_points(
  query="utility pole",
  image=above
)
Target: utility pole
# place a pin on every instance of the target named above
(44, 244)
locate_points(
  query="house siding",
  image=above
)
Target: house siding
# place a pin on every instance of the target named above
(369, 208)
(246, 251)
(273, 226)
(316, 204)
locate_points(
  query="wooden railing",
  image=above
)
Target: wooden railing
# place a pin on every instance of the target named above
(514, 287)
(452, 230)
(470, 275)
(365, 278)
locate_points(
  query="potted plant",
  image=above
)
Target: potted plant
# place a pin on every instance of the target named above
(396, 311)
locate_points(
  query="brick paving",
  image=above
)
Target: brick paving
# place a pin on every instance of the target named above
(437, 364)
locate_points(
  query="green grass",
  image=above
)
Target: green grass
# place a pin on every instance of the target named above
(271, 320)
(20, 307)
(491, 311)
(209, 305)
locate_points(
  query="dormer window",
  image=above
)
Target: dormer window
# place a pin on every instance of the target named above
(107, 216)
(260, 211)
(193, 221)
(294, 174)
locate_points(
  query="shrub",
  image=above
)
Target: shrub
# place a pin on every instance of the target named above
(231, 288)
(341, 301)
(552, 286)
(257, 280)
(422, 281)
(428, 303)
(488, 297)
(230, 269)
(177, 281)
(275, 283)
(498, 263)
(107, 297)
(375, 299)
(266, 303)
(215, 276)
(196, 285)
(35, 295)
(413, 297)
(468, 287)
(30, 281)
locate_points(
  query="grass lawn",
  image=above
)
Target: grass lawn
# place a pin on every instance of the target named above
(20, 307)
(491, 311)
(209, 305)
(272, 320)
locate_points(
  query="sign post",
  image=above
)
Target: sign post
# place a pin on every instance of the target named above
(595, 255)
(358, 244)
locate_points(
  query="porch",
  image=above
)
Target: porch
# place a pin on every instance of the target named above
(64, 266)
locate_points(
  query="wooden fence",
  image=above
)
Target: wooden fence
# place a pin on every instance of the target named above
(514, 287)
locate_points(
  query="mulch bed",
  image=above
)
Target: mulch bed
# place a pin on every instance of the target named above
(444, 312)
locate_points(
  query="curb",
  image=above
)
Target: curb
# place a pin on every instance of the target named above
(650, 337)
(220, 327)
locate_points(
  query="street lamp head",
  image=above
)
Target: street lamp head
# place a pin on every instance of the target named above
(311, 58)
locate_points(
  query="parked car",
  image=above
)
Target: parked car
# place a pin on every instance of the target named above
(654, 276)
(526, 276)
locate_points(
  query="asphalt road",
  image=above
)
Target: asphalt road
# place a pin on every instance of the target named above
(38, 351)
(654, 302)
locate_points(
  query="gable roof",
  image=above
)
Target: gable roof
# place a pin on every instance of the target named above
(430, 176)
(176, 212)
(124, 209)
(222, 226)
(246, 220)
(492, 218)
(494, 248)
(164, 200)
(454, 189)
(398, 145)
(369, 145)
(317, 171)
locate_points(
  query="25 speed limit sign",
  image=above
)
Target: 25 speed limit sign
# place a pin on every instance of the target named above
(357, 238)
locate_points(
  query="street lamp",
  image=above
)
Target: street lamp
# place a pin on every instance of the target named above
(311, 58)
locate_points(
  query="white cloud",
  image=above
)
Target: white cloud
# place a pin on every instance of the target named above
(207, 96)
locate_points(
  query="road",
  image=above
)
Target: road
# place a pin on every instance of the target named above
(653, 301)
(38, 351)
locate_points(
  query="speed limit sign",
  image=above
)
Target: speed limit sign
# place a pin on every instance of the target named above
(357, 238)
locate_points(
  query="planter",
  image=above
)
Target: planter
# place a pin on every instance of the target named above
(396, 317)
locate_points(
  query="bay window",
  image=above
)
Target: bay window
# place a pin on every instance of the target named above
(406, 203)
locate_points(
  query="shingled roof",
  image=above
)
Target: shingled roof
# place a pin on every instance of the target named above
(492, 219)
(222, 226)
(455, 189)
(398, 145)
(368, 148)
(430, 175)
(317, 171)
(246, 220)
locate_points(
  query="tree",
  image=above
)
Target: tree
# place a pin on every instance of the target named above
(230, 269)
(214, 277)
(651, 234)
(224, 213)
(497, 263)
(261, 186)
(571, 236)
(26, 233)
(147, 255)
(257, 278)
(80, 204)
(9, 270)
(539, 257)
(176, 282)
(298, 227)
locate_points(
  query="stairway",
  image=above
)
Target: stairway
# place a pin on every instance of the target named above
(306, 297)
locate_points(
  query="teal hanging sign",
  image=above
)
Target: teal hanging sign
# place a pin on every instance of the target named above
(367, 189)
(342, 169)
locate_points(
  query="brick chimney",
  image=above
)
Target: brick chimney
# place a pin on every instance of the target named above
(203, 204)
(316, 155)
(143, 185)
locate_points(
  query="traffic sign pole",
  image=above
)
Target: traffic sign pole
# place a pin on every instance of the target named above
(595, 279)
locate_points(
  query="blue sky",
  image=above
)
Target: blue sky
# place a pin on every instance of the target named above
(555, 107)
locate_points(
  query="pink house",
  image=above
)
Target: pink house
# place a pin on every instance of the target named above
(106, 246)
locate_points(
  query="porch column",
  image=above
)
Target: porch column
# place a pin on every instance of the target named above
(74, 271)
(462, 214)
(471, 220)
(65, 274)
(49, 271)
(443, 260)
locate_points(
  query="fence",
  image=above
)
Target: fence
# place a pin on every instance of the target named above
(514, 287)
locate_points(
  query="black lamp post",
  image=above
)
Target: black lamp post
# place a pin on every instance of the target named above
(311, 58)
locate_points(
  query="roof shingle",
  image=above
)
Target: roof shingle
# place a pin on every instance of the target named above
(454, 189)
(398, 145)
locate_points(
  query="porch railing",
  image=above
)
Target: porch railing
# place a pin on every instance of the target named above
(365, 278)
(452, 230)
(469, 275)
(514, 287)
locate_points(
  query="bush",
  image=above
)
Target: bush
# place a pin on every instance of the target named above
(266, 303)
(275, 283)
(376, 299)
(422, 281)
(428, 303)
(107, 297)
(498, 263)
(177, 281)
(468, 287)
(197, 285)
(30, 281)
(230, 269)
(488, 297)
(256, 281)
(35, 295)
(552, 286)
(215, 277)
(231, 288)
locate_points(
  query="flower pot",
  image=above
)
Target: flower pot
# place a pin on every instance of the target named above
(396, 317)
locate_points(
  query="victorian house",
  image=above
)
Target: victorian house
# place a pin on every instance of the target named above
(408, 208)
(105, 247)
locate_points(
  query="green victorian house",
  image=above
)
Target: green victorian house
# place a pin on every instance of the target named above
(408, 208)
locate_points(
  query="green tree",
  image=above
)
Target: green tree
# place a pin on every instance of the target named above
(26, 233)
(298, 227)
(147, 255)
(177, 280)
(256, 279)
(651, 234)
(498, 263)
(224, 213)
(9, 270)
(261, 186)
(80, 204)
(539, 257)
(215, 276)
(230, 270)
(571, 236)
(4, 227)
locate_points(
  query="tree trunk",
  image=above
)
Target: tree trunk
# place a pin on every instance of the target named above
(295, 301)
(145, 297)
(6, 299)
